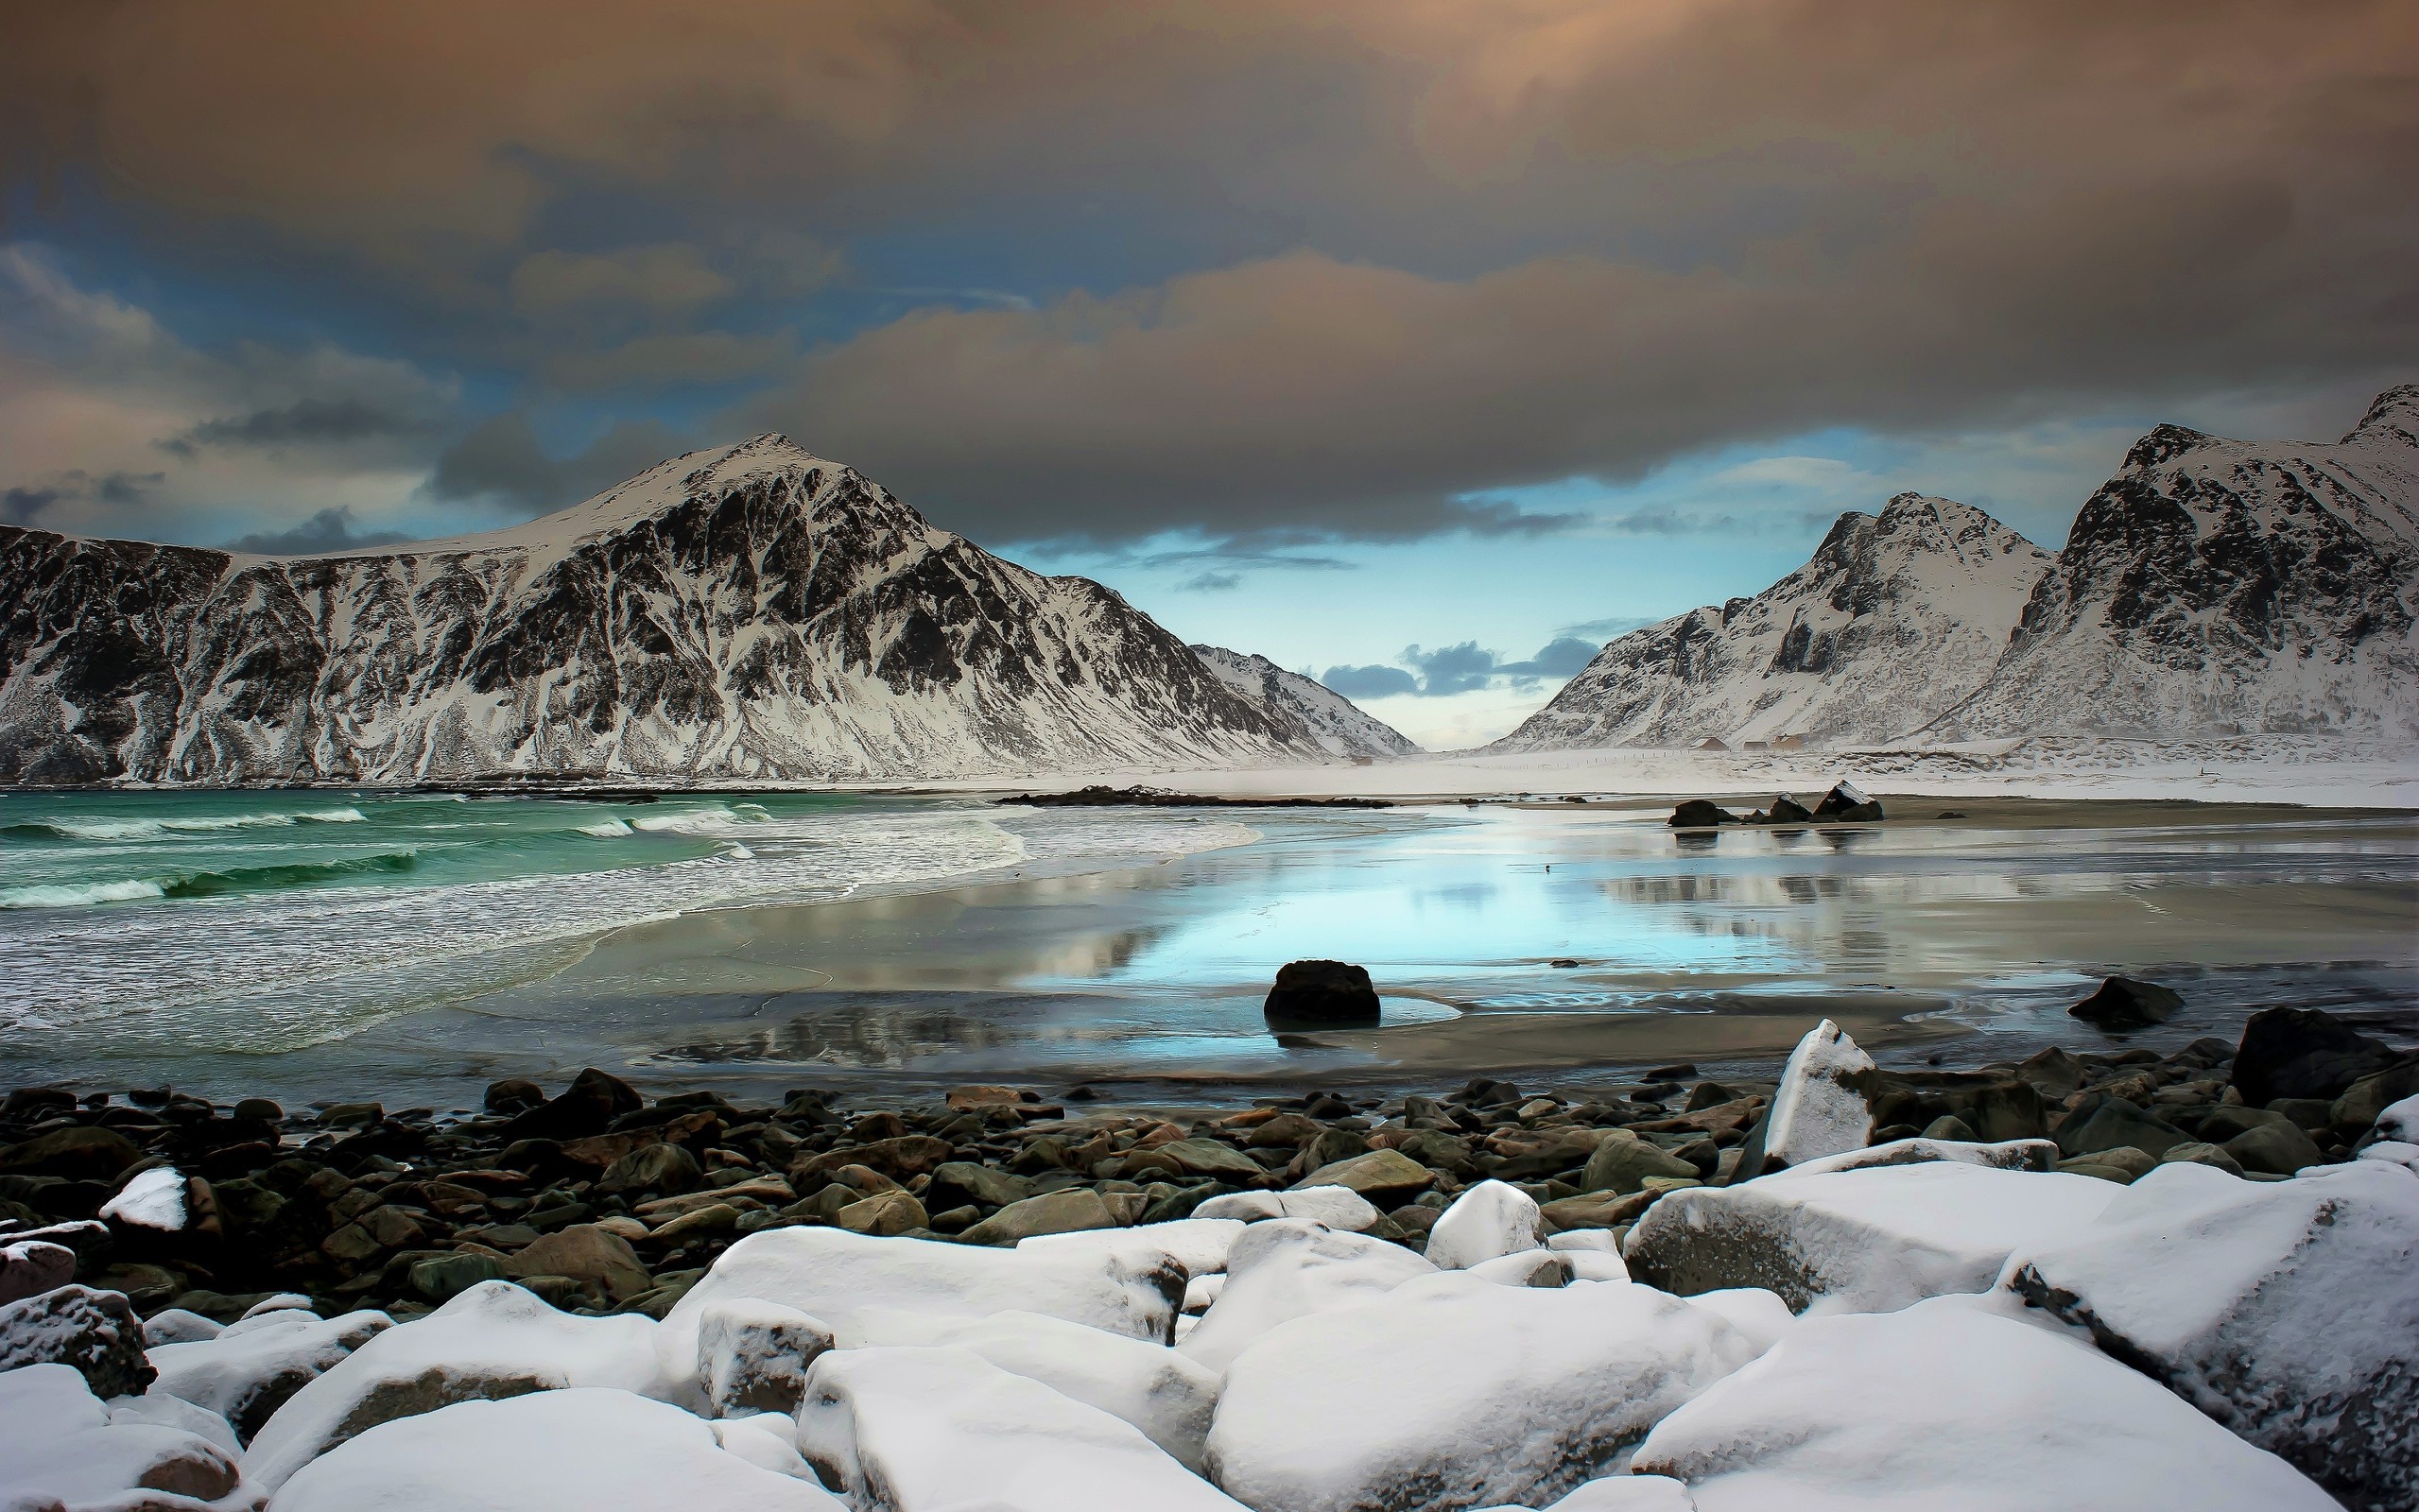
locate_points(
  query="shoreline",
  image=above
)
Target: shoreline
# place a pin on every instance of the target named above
(354, 1206)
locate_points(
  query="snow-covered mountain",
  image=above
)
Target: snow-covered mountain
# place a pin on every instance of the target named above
(1894, 620)
(1340, 726)
(2218, 587)
(753, 611)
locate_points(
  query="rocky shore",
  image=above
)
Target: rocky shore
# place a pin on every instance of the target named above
(135, 1225)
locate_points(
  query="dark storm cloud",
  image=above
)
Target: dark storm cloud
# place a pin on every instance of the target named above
(304, 422)
(1293, 272)
(325, 533)
(19, 506)
(20, 503)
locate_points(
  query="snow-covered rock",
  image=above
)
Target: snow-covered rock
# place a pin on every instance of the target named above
(1820, 1109)
(1946, 1404)
(1528, 1268)
(2400, 1121)
(751, 611)
(1187, 1247)
(831, 1274)
(1339, 1207)
(177, 1325)
(1895, 620)
(492, 1341)
(94, 1332)
(1455, 1393)
(752, 1354)
(2288, 1311)
(548, 1452)
(161, 1410)
(930, 1430)
(250, 1368)
(1761, 1316)
(2222, 587)
(1288, 1268)
(1491, 1219)
(32, 1266)
(1867, 1241)
(152, 1198)
(1161, 1392)
(2008, 1155)
(1626, 1493)
(60, 1446)
(1341, 727)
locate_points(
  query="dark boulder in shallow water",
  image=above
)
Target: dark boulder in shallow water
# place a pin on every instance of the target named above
(1847, 802)
(1331, 992)
(2123, 1003)
(1697, 814)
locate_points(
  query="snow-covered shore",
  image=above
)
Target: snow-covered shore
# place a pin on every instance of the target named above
(2091, 1282)
(2317, 771)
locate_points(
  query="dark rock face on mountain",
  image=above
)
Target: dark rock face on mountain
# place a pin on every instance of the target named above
(2228, 587)
(1338, 726)
(749, 612)
(1895, 619)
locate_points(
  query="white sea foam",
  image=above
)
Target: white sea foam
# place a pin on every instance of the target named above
(97, 827)
(606, 829)
(78, 894)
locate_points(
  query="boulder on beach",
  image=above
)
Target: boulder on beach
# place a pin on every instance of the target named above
(752, 1355)
(62, 1447)
(1451, 1392)
(2286, 1311)
(2304, 1053)
(1858, 1241)
(494, 1340)
(1847, 804)
(1491, 1220)
(2122, 1002)
(93, 1333)
(1698, 814)
(909, 1428)
(251, 1368)
(1946, 1404)
(1821, 1106)
(582, 1446)
(1329, 992)
(1289, 1268)
(1161, 1392)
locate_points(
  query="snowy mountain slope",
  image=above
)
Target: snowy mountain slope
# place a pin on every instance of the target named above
(1894, 619)
(1340, 726)
(753, 611)
(2218, 587)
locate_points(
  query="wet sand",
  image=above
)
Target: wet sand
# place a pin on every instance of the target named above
(1562, 943)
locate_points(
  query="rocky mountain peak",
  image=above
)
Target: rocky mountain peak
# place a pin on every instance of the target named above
(2392, 419)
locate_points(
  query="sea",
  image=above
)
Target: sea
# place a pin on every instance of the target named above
(329, 944)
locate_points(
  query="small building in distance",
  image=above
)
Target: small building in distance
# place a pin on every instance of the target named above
(1712, 742)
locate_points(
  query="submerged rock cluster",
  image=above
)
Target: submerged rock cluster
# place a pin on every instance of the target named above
(1483, 1298)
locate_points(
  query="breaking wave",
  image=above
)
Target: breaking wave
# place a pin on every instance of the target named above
(149, 829)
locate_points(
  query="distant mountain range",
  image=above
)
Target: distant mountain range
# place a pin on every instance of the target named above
(2212, 587)
(1339, 725)
(750, 612)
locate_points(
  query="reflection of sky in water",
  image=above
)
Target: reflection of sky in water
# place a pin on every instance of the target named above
(1476, 909)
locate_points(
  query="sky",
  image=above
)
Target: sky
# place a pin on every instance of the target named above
(1422, 345)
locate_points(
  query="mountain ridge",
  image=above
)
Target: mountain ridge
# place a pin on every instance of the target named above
(1839, 650)
(1340, 726)
(751, 611)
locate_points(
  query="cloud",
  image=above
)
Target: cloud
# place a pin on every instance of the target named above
(665, 277)
(1373, 681)
(304, 421)
(1313, 272)
(1450, 671)
(503, 461)
(1211, 583)
(1563, 657)
(1609, 627)
(19, 506)
(326, 533)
